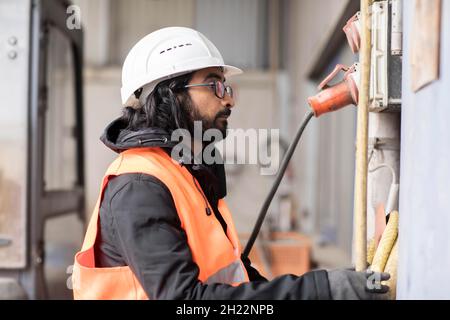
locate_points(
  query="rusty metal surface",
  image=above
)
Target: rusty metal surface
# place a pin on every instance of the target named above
(14, 57)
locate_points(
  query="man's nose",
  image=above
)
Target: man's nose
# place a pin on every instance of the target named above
(228, 101)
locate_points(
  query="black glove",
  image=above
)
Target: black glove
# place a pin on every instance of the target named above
(353, 285)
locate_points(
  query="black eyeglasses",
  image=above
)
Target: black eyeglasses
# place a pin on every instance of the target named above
(219, 88)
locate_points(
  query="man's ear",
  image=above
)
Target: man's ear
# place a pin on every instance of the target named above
(133, 102)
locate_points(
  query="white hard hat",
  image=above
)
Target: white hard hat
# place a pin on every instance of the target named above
(167, 53)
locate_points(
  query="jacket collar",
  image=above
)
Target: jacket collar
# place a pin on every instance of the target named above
(211, 178)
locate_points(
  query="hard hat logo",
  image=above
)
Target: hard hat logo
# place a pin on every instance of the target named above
(165, 54)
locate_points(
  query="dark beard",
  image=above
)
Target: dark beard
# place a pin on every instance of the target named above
(210, 124)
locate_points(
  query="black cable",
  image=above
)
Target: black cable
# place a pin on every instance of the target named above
(279, 177)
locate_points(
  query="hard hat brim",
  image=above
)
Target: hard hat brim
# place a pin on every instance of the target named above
(232, 71)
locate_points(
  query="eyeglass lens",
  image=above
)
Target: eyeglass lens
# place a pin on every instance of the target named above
(221, 89)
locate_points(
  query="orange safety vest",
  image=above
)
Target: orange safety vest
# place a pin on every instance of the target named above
(217, 254)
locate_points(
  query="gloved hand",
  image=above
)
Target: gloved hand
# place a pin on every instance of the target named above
(353, 285)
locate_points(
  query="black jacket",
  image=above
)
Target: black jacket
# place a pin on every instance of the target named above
(139, 227)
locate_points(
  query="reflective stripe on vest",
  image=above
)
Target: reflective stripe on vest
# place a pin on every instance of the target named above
(231, 274)
(216, 254)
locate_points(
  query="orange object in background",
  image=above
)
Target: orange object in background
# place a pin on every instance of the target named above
(283, 253)
(338, 96)
(380, 223)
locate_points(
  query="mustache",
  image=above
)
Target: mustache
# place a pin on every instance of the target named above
(226, 112)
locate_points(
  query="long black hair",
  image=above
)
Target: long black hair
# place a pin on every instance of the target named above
(169, 107)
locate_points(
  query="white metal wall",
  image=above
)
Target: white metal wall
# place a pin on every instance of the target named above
(424, 247)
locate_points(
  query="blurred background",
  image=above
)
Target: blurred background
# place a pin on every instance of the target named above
(285, 47)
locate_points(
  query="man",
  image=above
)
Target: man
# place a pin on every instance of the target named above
(161, 228)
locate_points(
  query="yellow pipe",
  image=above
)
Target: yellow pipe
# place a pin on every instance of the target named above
(391, 268)
(371, 250)
(360, 195)
(386, 244)
(385, 257)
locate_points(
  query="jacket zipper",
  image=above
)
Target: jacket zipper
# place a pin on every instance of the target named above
(163, 140)
(207, 209)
